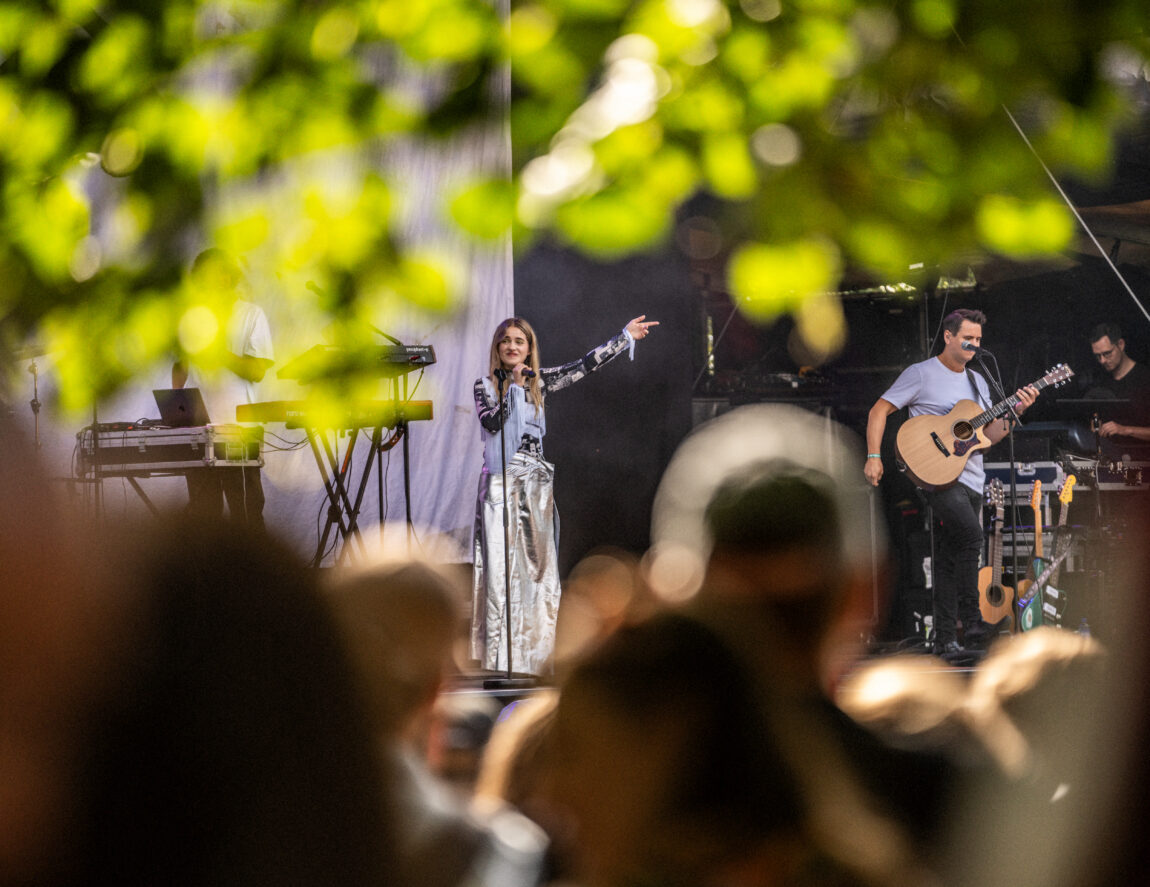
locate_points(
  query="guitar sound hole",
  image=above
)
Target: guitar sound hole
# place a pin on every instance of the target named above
(963, 431)
(995, 595)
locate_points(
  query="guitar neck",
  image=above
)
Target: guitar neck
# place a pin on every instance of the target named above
(1051, 567)
(1003, 407)
(996, 548)
(1062, 545)
(1064, 511)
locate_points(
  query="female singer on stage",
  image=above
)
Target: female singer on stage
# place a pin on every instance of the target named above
(512, 395)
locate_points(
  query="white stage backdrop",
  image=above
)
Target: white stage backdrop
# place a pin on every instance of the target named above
(445, 453)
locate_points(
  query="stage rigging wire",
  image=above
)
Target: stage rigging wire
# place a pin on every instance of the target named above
(1066, 199)
(1105, 255)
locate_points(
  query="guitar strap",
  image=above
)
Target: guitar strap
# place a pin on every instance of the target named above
(974, 387)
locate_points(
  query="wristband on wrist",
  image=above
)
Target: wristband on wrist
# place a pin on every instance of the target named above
(874, 455)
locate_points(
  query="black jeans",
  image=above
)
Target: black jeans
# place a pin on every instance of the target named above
(242, 488)
(958, 545)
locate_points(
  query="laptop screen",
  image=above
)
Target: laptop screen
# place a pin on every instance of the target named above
(181, 407)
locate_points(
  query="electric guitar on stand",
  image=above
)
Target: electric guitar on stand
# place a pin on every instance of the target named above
(1053, 599)
(1037, 563)
(1029, 606)
(995, 601)
(934, 449)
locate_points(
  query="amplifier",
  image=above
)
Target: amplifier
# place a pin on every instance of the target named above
(145, 451)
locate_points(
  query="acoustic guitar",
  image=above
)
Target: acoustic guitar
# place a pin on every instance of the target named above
(935, 449)
(995, 602)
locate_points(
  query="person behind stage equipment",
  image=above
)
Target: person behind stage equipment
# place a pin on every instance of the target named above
(514, 368)
(1128, 380)
(247, 358)
(933, 387)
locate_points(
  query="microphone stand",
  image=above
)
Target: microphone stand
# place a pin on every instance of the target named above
(508, 681)
(995, 379)
(501, 377)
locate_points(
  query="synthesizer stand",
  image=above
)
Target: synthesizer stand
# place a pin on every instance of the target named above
(343, 511)
(344, 490)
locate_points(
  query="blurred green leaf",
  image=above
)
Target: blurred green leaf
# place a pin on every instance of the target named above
(833, 133)
(612, 224)
(485, 209)
(117, 66)
(772, 279)
(1024, 229)
(728, 166)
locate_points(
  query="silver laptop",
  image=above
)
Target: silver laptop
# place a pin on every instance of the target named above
(181, 407)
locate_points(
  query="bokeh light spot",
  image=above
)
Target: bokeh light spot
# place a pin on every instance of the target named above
(776, 144)
(335, 33)
(198, 329)
(122, 152)
(86, 259)
(762, 10)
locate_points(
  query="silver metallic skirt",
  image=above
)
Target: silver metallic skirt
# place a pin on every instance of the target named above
(533, 533)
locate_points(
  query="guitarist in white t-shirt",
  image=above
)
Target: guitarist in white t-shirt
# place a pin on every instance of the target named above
(933, 387)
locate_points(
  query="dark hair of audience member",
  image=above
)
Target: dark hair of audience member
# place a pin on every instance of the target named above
(663, 760)
(774, 511)
(401, 621)
(60, 625)
(237, 751)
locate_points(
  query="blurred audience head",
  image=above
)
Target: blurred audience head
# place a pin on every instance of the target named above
(63, 617)
(515, 759)
(1043, 705)
(179, 708)
(746, 444)
(515, 770)
(1015, 696)
(461, 725)
(777, 541)
(763, 511)
(916, 702)
(664, 770)
(402, 620)
(238, 750)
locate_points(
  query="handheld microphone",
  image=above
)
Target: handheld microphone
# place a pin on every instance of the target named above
(505, 374)
(970, 346)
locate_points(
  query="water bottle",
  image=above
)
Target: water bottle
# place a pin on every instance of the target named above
(1084, 628)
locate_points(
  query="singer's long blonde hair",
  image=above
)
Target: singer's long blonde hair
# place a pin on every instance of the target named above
(534, 388)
